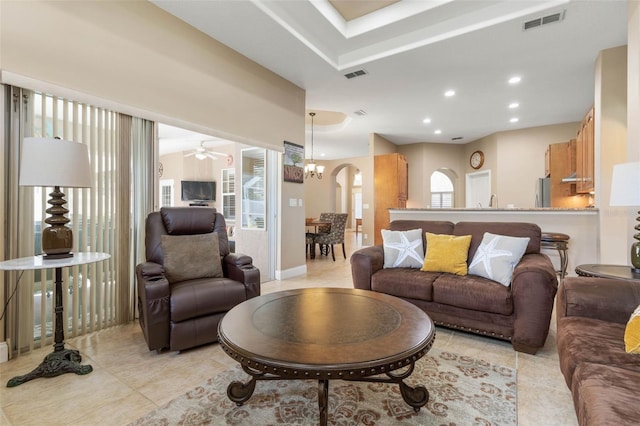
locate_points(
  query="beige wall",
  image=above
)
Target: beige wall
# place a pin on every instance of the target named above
(425, 158)
(515, 158)
(136, 54)
(610, 149)
(321, 195)
(135, 58)
(177, 167)
(520, 155)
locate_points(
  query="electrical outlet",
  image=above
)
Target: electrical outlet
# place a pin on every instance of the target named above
(365, 236)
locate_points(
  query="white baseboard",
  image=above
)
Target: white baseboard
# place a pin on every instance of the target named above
(4, 352)
(291, 273)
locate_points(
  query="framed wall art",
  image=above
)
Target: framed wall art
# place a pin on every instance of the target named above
(293, 162)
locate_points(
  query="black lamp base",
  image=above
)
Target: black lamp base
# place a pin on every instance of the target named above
(56, 256)
(57, 239)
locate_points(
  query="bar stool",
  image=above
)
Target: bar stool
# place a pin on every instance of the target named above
(560, 242)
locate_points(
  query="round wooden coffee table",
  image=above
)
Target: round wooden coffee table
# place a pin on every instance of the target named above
(325, 334)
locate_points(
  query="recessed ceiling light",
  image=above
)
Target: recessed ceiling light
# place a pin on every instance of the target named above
(426, 120)
(515, 80)
(514, 120)
(513, 105)
(437, 132)
(322, 154)
(449, 93)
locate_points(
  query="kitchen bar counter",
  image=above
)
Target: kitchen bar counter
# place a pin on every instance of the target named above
(580, 224)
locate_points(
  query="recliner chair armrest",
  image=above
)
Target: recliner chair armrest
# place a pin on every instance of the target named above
(533, 287)
(364, 263)
(239, 267)
(149, 270)
(153, 304)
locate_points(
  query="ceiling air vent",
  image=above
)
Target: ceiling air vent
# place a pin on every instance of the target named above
(356, 73)
(360, 112)
(549, 19)
(457, 138)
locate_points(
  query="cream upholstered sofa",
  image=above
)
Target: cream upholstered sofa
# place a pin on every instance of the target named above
(519, 312)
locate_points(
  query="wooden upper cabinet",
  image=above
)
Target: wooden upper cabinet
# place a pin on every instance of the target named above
(585, 155)
(547, 162)
(391, 184)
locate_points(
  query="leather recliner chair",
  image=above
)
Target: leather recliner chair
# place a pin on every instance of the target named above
(184, 314)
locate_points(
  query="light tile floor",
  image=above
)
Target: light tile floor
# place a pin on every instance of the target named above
(128, 380)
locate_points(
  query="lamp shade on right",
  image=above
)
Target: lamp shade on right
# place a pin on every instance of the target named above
(625, 185)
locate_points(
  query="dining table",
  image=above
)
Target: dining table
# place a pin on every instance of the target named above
(315, 223)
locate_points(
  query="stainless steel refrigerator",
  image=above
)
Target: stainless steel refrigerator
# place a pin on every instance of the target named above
(543, 192)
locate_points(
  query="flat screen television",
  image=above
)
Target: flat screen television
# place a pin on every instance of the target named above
(196, 190)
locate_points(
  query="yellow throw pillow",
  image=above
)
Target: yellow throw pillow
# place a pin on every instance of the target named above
(632, 333)
(446, 253)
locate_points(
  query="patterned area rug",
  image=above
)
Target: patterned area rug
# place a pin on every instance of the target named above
(462, 391)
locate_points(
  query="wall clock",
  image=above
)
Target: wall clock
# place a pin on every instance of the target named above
(477, 159)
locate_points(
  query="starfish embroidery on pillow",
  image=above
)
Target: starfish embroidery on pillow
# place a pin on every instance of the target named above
(488, 251)
(406, 249)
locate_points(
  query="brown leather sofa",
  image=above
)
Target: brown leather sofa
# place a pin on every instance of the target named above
(186, 314)
(520, 313)
(591, 315)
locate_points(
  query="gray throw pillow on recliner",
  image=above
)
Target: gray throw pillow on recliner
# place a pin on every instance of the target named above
(187, 257)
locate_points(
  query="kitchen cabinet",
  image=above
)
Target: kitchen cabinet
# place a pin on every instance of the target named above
(391, 189)
(547, 162)
(585, 154)
(562, 164)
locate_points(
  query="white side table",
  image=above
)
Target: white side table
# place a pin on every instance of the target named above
(61, 360)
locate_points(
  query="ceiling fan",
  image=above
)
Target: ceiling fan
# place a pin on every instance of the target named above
(202, 152)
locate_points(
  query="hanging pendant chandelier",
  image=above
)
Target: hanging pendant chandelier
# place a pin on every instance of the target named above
(311, 169)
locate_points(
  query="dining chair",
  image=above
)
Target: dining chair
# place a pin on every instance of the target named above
(335, 235)
(325, 229)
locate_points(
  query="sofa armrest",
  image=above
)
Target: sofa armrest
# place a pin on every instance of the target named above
(239, 267)
(604, 299)
(364, 263)
(153, 304)
(533, 287)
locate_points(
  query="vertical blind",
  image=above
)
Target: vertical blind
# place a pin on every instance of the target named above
(89, 289)
(103, 219)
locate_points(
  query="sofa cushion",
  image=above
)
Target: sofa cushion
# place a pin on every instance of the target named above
(446, 253)
(433, 226)
(188, 257)
(402, 249)
(582, 339)
(606, 395)
(205, 296)
(473, 292)
(632, 333)
(497, 256)
(404, 282)
(512, 229)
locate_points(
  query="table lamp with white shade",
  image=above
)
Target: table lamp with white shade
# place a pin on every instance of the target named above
(625, 192)
(56, 163)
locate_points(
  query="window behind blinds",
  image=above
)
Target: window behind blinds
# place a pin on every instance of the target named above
(441, 191)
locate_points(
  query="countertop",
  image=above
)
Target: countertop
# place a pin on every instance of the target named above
(510, 210)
